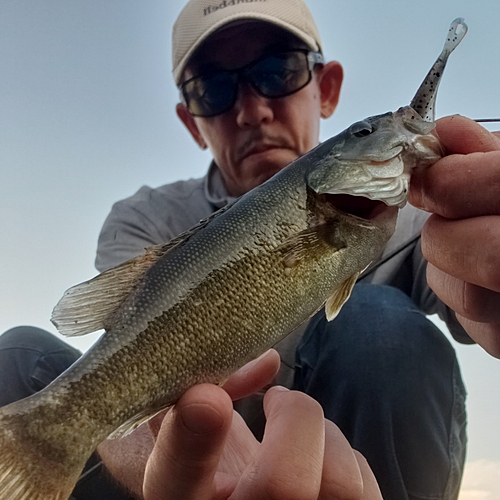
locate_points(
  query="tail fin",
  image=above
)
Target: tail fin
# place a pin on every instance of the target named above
(26, 472)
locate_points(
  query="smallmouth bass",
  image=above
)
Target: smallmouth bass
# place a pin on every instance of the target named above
(198, 308)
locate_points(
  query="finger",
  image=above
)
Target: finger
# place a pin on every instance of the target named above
(371, 490)
(462, 135)
(466, 183)
(466, 249)
(470, 301)
(487, 335)
(290, 460)
(459, 186)
(240, 448)
(341, 478)
(185, 457)
(253, 376)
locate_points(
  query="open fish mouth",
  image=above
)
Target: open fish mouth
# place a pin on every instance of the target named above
(358, 206)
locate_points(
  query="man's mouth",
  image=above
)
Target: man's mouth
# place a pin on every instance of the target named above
(260, 142)
(261, 148)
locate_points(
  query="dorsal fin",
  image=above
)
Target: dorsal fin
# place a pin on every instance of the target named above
(84, 308)
(90, 306)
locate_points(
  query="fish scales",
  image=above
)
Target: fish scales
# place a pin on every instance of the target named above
(200, 307)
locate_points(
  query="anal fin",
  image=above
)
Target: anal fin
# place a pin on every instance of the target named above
(130, 425)
(339, 297)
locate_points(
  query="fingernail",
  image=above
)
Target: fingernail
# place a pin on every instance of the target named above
(279, 388)
(260, 358)
(201, 418)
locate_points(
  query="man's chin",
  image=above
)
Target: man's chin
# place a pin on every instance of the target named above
(260, 167)
(265, 165)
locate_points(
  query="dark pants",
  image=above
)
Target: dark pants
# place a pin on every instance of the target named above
(390, 380)
(382, 372)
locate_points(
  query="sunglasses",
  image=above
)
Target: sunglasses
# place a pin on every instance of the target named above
(271, 76)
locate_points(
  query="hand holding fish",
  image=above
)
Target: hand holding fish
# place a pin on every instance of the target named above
(204, 450)
(461, 240)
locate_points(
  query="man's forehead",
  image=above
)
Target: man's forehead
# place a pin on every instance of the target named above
(238, 43)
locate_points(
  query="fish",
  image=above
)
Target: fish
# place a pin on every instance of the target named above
(199, 307)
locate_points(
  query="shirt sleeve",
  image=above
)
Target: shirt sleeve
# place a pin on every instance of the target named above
(151, 216)
(127, 231)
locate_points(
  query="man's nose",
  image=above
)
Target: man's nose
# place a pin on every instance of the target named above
(251, 108)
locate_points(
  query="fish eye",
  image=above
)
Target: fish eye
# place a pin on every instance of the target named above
(361, 129)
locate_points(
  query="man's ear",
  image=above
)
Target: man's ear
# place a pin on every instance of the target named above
(187, 118)
(330, 81)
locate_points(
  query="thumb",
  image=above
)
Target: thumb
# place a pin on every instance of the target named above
(188, 447)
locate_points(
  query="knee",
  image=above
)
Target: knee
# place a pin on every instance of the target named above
(29, 337)
(381, 333)
(30, 358)
(382, 320)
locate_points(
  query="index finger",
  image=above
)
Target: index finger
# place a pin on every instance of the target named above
(289, 462)
(371, 490)
(253, 376)
(346, 473)
(466, 183)
(461, 135)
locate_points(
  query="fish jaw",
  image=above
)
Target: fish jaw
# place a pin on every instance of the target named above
(377, 157)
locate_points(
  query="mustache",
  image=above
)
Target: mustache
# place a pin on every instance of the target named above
(257, 138)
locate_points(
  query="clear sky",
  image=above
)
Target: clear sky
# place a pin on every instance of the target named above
(87, 117)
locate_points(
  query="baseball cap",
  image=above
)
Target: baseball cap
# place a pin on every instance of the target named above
(200, 18)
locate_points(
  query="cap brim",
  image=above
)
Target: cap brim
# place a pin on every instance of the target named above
(240, 19)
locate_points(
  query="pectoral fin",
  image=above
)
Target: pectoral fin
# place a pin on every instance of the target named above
(310, 241)
(339, 297)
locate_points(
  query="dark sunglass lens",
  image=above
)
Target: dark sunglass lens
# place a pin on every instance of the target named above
(281, 74)
(210, 95)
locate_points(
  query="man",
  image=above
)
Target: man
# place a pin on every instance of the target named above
(254, 88)
(393, 389)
